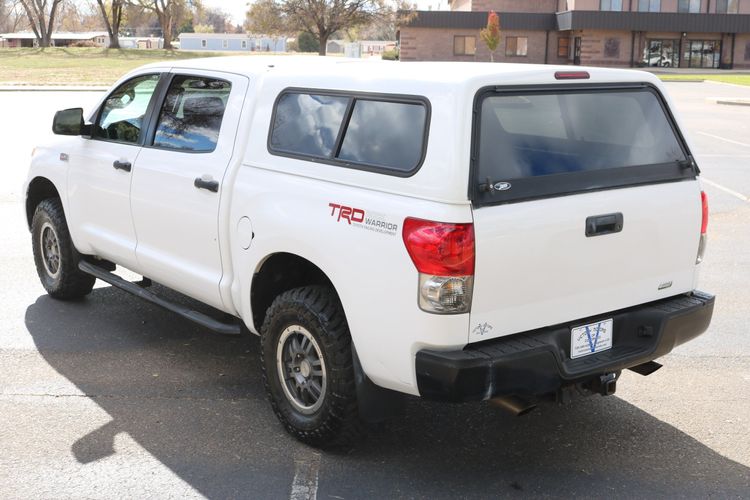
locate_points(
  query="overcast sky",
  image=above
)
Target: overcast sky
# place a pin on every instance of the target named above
(237, 8)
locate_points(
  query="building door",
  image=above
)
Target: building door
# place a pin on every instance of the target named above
(577, 51)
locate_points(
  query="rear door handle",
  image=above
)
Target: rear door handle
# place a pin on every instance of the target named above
(598, 225)
(122, 165)
(209, 185)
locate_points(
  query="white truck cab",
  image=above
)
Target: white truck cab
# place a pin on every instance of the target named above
(455, 231)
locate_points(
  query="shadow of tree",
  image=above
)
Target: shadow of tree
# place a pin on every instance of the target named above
(195, 401)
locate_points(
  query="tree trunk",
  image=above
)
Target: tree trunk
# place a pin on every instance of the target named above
(167, 33)
(112, 31)
(114, 39)
(323, 40)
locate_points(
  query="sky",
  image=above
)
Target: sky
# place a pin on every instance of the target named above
(237, 8)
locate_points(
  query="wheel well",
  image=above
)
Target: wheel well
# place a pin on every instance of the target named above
(39, 189)
(279, 273)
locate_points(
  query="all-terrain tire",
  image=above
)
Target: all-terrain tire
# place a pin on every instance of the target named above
(313, 317)
(55, 256)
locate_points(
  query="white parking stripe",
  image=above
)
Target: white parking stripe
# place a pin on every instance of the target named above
(305, 483)
(725, 139)
(725, 189)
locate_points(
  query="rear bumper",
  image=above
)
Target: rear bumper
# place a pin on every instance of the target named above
(538, 362)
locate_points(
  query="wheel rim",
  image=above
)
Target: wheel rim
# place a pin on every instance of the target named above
(50, 246)
(302, 370)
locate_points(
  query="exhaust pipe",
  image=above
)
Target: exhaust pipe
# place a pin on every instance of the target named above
(513, 405)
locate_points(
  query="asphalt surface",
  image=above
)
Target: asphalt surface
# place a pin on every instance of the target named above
(111, 397)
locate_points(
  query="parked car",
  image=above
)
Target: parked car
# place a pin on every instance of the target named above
(455, 231)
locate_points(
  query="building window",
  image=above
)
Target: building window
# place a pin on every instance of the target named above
(464, 45)
(649, 5)
(661, 53)
(689, 6)
(244, 44)
(701, 53)
(615, 5)
(747, 51)
(225, 44)
(563, 47)
(204, 44)
(727, 6)
(516, 46)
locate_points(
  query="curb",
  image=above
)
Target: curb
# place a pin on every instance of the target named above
(733, 102)
(682, 80)
(52, 88)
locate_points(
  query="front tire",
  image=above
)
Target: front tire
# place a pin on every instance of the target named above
(308, 371)
(55, 256)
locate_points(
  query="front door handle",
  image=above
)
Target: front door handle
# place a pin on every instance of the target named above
(122, 165)
(597, 225)
(207, 184)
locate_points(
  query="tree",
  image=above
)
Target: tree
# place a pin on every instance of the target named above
(112, 20)
(12, 17)
(320, 18)
(491, 34)
(41, 15)
(307, 43)
(168, 13)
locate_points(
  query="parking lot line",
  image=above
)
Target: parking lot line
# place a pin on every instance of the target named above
(725, 189)
(724, 139)
(305, 483)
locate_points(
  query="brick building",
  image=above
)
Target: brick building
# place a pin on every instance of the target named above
(624, 33)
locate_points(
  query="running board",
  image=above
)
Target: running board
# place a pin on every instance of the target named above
(189, 314)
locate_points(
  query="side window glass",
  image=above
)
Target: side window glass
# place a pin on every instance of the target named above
(308, 124)
(190, 118)
(385, 134)
(121, 115)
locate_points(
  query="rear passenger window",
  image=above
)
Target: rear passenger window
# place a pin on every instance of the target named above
(386, 134)
(191, 116)
(371, 133)
(308, 124)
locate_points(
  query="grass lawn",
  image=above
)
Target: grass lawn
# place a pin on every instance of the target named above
(82, 66)
(728, 78)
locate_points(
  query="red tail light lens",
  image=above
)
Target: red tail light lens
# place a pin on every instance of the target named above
(439, 248)
(704, 205)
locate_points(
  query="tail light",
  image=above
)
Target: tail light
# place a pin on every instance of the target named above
(443, 253)
(704, 226)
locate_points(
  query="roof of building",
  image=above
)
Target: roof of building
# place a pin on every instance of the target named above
(224, 36)
(579, 19)
(26, 35)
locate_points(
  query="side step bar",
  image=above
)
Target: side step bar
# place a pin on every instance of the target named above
(194, 316)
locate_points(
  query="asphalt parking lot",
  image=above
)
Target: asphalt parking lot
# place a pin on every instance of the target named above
(112, 397)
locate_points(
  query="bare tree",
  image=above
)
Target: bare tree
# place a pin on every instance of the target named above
(112, 20)
(41, 15)
(321, 18)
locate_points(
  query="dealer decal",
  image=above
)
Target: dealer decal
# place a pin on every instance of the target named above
(358, 217)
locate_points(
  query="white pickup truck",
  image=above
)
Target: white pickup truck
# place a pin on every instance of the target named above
(455, 231)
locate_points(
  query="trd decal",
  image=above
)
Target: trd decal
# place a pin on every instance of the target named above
(348, 213)
(356, 217)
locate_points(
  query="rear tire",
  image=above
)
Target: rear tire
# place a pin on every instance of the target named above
(308, 370)
(55, 256)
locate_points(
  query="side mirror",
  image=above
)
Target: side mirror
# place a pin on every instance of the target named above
(68, 122)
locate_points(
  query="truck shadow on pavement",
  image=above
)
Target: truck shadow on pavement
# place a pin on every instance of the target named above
(195, 402)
